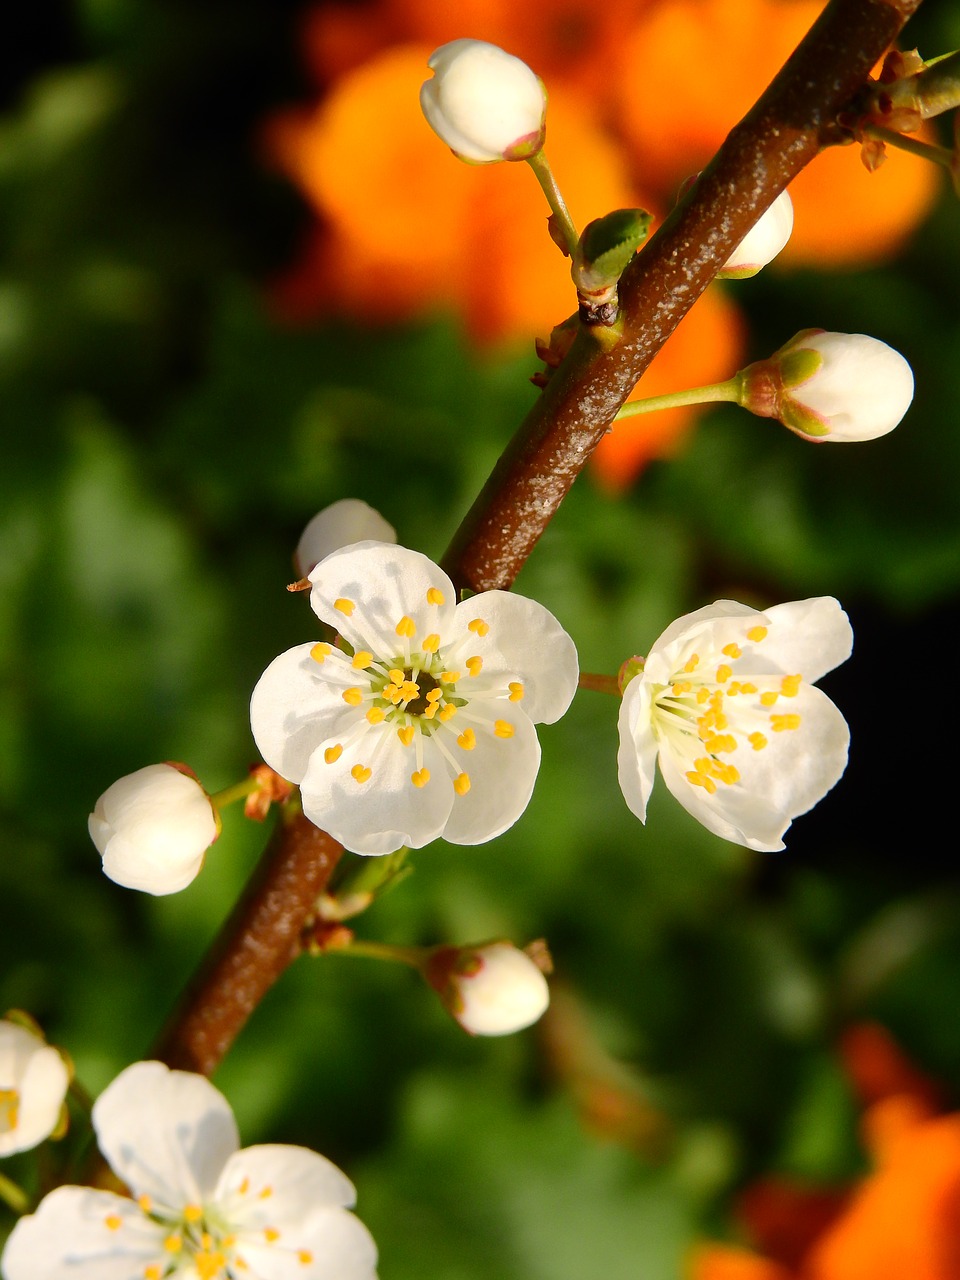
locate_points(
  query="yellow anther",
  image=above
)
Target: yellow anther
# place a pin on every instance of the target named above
(732, 651)
(434, 695)
(448, 711)
(748, 688)
(449, 677)
(699, 780)
(758, 741)
(193, 1213)
(361, 660)
(781, 723)
(267, 1191)
(113, 1222)
(420, 778)
(173, 1243)
(790, 685)
(431, 643)
(152, 1272)
(406, 627)
(359, 773)
(467, 740)
(681, 687)
(271, 1234)
(344, 606)
(406, 734)
(409, 690)
(206, 1241)
(503, 728)
(304, 1255)
(320, 652)
(375, 715)
(461, 784)
(721, 742)
(244, 1187)
(703, 695)
(692, 663)
(145, 1203)
(352, 697)
(430, 711)
(516, 691)
(478, 627)
(756, 634)
(474, 664)
(397, 676)
(729, 774)
(723, 673)
(435, 595)
(768, 699)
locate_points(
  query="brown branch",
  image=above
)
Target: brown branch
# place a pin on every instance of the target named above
(256, 944)
(776, 139)
(782, 133)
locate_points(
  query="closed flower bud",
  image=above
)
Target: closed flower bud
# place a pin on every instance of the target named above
(152, 829)
(768, 235)
(485, 104)
(831, 386)
(340, 525)
(491, 990)
(33, 1084)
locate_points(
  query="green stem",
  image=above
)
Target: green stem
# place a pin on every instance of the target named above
(80, 1096)
(731, 390)
(14, 1196)
(548, 182)
(230, 795)
(415, 957)
(926, 150)
(599, 684)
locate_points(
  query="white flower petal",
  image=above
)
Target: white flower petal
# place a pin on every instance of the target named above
(295, 706)
(166, 1134)
(765, 239)
(637, 757)
(862, 388)
(277, 1185)
(502, 774)
(504, 993)
(667, 651)
(37, 1077)
(331, 1244)
(340, 525)
(534, 647)
(811, 636)
(83, 1234)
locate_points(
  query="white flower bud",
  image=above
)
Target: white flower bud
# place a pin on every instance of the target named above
(768, 235)
(485, 104)
(491, 990)
(339, 525)
(152, 829)
(831, 386)
(33, 1084)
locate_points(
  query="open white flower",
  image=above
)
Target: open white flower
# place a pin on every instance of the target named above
(153, 828)
(201, 1209)
(491, 990)
(484, 103)
(835, 387)
(342, 523)
(726, 703)
(425, 727)
(33, 1084)
(765, 239)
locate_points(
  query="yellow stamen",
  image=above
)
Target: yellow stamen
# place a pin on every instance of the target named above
(397, 676)
(406, 627)
(361, 660)
(723, 673)
(320, 652)
(352, 697)
(271, 1234)
(461, 784)
(756, 634)
(478, 627)
(516, 691)
(768, 699)
(757, 741)
(692, 663)
(359, 773)
(721, 742)
(748, 688)
(206, 1241)
(434, 695)
(173, 1243)
(449, 677)
(406, 734)
(267, 1191)
(430, 711)
(732, 650)
(152, 1272)
(304, 1255)
(244, 1186)
(331, 756)
(435, 595)
(474, 664)
(467, 740)
(703, 695)
(790, 685)
(681, 687)
(420, 778)
(193, 1213)
(447, 712)
(503, 728)
(113, 1222)
(375, 715)
(782, 723)
(431, 643)
(698, 780)
(145, 1203)
(344, 606)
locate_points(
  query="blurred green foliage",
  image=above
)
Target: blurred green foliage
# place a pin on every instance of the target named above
(164, 443)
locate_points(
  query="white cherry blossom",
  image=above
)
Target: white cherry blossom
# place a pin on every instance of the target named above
(491, 990)
(33, 1084)
(153, 828)
(484, 103)
(342, 523)
(726, 703)
(200, 1209)
(765, 239)
(423, 726)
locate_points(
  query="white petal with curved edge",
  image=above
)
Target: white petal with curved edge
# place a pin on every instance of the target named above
(809, 636)
(296, 705)
(297, 1182)
(637, 756)
(331, 1244)
(38, 1072)
(384, 583)
(502, 773)
(386, 811)
(166, 1134)
(141, 857)
(666, 652)
(342, 524)
(83, 1234)
(534, 646)
(787, 778)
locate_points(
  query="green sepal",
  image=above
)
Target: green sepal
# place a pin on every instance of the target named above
(798, 366)
(608, 244)
(803, 421)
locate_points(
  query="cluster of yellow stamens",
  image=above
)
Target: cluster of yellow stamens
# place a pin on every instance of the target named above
(417, 691)
(9, 1109)
(702, 724)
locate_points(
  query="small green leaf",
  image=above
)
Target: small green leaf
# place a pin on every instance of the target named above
(608, 244)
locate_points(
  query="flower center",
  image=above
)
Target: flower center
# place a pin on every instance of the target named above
(9, 1109)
